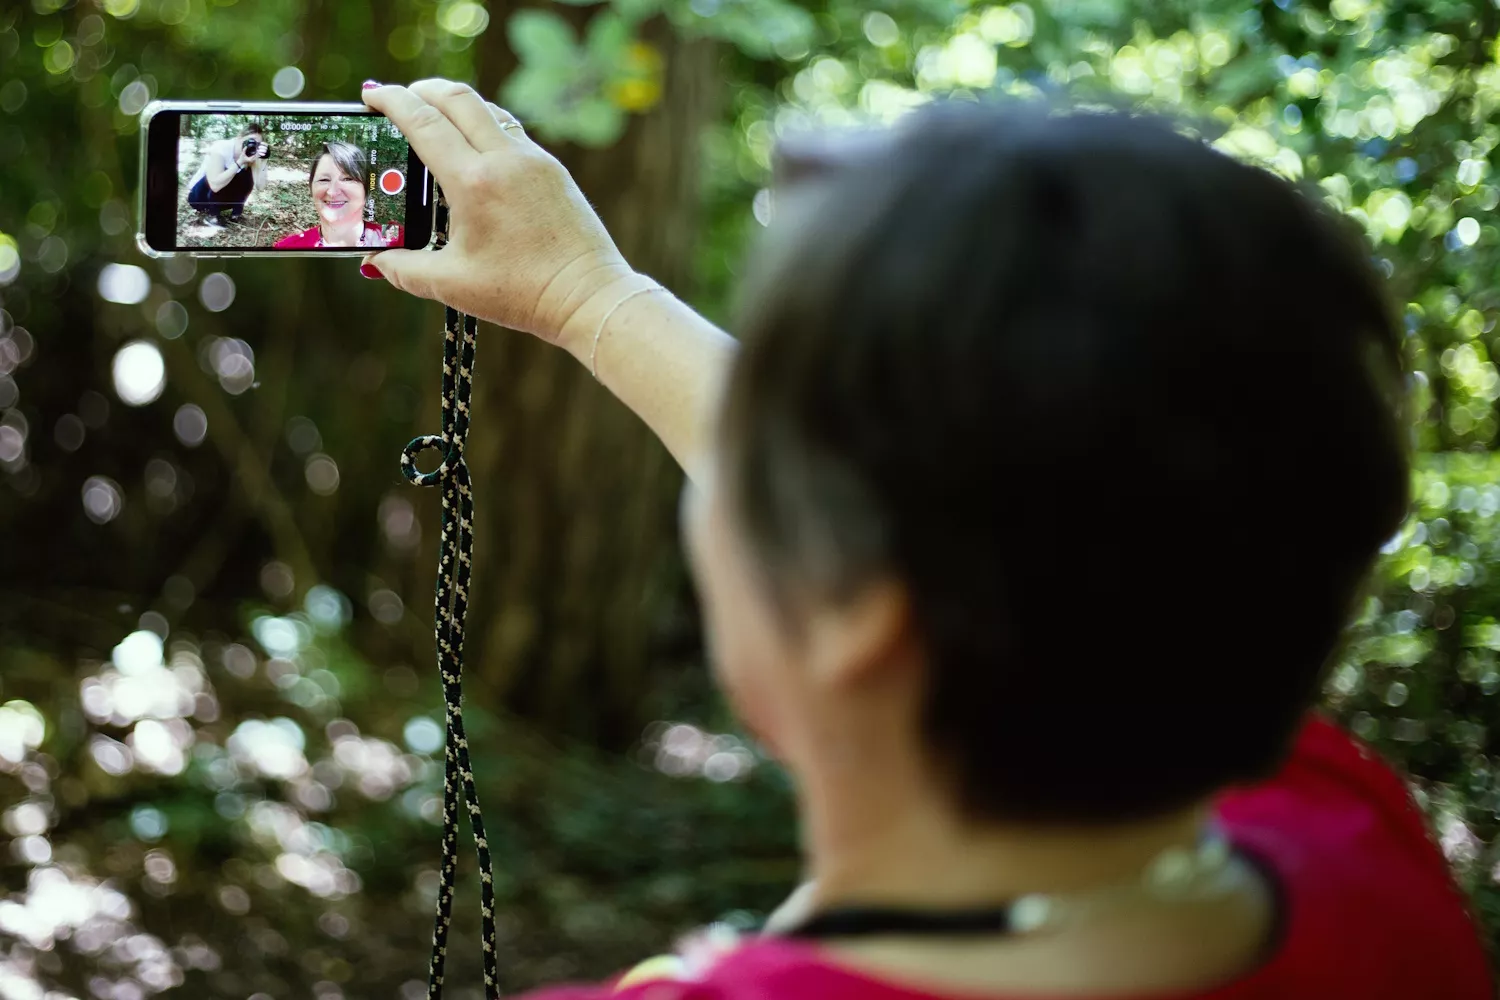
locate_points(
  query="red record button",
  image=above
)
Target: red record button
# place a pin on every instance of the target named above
(392, 181)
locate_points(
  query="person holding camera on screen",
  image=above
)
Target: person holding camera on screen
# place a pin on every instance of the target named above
(1033, 420)
(231, 171)
(337, 183)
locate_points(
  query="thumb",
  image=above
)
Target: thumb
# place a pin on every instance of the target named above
(412, 271)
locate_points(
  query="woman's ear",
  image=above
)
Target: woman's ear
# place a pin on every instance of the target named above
(855, 640)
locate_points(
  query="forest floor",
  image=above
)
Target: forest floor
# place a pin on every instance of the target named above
(281, 208)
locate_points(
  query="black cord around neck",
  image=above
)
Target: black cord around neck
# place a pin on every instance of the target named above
(1019, 916)
(876, 921)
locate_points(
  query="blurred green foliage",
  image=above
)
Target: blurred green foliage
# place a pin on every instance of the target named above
(218, 768)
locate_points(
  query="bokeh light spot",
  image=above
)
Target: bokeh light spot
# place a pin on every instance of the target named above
(22, 730)
(190, 425)
(1467, 230)
(276, 579)
(179, 270)
(12, 443)
(423, 735)
(171, 319)
(880, 28)
(233, 361)
(405, 43)
(134, 98)
(148, 823)
(10, 260)
(302, 435)
(124, 283)
(139, 373)
(463, 18)
(69, 432)
(216, 291)
(328, 609)
(387, 607)
(288, 82)
(102, 499)
(322, 475)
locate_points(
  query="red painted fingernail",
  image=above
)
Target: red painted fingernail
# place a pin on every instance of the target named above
(371, 85)
(371, 271)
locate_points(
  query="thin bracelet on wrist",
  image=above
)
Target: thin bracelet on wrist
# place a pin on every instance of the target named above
(598, 333)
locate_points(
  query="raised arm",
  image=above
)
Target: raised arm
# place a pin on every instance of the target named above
(526, 251)
(216, 175)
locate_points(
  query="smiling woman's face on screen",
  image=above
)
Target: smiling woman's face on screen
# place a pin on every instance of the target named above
(340, 199)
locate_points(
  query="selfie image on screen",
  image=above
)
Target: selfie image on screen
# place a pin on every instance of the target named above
(290, 181)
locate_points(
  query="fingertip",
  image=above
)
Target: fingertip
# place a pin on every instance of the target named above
(372, 92)
(370, 267)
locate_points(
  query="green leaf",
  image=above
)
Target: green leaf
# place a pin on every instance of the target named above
(1088, 13)
(541, 36)
(1244, 79)
(636, 11)
(536, 94)
(596, 122)
(608, 36)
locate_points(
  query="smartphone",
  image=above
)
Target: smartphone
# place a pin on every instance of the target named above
(278, 179)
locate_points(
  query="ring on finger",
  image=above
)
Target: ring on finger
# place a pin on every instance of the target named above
(512, 124)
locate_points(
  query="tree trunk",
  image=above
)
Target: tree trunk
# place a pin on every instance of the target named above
(576, 559)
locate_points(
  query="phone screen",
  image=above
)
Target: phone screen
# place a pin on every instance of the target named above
(249, 181)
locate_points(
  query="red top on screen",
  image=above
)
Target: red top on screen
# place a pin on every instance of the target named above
(374, 236)
(1370, 910)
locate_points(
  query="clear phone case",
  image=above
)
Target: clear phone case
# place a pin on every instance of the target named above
(237, 107)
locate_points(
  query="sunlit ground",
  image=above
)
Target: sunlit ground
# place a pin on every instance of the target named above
(153, 712)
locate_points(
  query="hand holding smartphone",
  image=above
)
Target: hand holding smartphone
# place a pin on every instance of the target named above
(525, 250)
(233, 178)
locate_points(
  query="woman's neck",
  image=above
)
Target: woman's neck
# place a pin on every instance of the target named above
(889, 831)
(928, 856)
(880, 832)
(344, 234)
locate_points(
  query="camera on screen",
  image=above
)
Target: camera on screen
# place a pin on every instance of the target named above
(290, 182)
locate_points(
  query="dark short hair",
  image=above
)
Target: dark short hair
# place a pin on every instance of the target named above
(1122, 413)
(253, 127)
(350, 160)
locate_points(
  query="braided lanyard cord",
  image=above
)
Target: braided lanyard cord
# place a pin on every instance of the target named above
(452, 605)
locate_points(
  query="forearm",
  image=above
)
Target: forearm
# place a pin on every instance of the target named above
(662, 359)
(218, 180)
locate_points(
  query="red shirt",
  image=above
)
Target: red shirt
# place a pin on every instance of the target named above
(373, 236)
(1369, 909)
